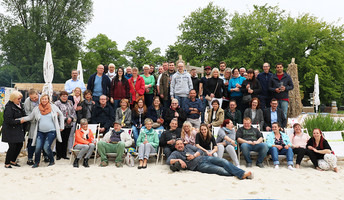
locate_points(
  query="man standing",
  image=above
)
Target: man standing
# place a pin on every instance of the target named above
(103, 113)
(222, 69)
(185, 158)
(202, 92)
(264, 79)
(128, 73)
(168, 138)
(279, 85)
(99, 84)
(193, 108)
(165, 85)
(251, 139)
(274, 114)
(114, 141)
(181, 84)
(74, 82)
(111, 71)
(195, 81)
(161, 70)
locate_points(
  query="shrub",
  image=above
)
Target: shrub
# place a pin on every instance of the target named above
(323, 122)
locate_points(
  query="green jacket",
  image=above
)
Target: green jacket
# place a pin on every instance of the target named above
(149, 80)
(152, 137)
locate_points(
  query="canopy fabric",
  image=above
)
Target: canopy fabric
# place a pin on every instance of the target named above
(316, 92)
(80, 72)
(48, 71)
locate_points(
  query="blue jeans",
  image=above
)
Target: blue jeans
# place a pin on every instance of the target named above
(284, 106)
(205, 103)
(261, 148)
(30, 149)
(136, 132)
(115, 105)
(181, 100)
(219, 166)
(44, 140)
(148, 99)
(275, 152)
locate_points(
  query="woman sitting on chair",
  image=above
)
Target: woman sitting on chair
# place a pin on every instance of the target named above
(147, 142)
(320, 152)
(138, 117)
(226, 141)
(299, 142)
(84, 141)
(123, 114)
(204, 139)
(279, 144)
(215, 114)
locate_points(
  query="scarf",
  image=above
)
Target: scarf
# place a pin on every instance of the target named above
(227, 130)
(76, 101)
(85, 135)
(44, 109)
(123, 118)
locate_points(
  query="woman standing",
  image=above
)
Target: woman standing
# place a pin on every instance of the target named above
(320, 152)
(13, 129)
(226, 141)
(250, 88)
(215, 87)
(67, 109)
(119, 88)
(50, 123)
(204, 139)
(137, 86)
(234, 87)
(279, 144)
(226, 79)
(123, 114)
(147, 142)
(149, 85)
(138, 117)
(255, 113)
(299, 142)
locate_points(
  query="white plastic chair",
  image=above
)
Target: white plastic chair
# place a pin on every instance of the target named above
(335, 140)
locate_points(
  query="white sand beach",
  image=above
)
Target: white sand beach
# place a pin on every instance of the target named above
(62, 181)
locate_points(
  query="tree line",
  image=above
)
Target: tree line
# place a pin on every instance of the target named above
(208, 35)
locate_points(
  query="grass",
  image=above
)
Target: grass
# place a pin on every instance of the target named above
(340, 112)
(323, 122)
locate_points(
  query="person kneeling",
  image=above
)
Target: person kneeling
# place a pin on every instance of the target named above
(184, 158)
(114, 141)
(84, 141)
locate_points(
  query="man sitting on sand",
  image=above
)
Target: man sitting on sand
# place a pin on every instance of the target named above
(184, 158)
(114, 141)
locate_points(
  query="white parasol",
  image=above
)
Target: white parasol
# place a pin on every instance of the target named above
(48, 71)
(316, 93)
(80, 72)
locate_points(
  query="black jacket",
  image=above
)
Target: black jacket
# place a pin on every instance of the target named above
(105, 116)
(280, 118)
(167, 135)
(195, 82)
(220, 89)
(12, 130)
(82, 113)
(106, 84)
(257, 89)
(135, 118)
(169, 115)
(152, 113)
(276, 83)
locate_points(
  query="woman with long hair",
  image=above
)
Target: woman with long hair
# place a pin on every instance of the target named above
(255, 113)
(203, 141)
(320, 152)
(250, 88)
(138, 117)
(119, 88)
(188, 134)
(299, 142)
(76, 97)
(156, 112)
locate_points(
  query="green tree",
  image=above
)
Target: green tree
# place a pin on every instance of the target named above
(30, 24)
(204, 33)
(101, 50)
(139, 53)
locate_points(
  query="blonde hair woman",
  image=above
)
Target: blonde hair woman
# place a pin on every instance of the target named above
(188, 135)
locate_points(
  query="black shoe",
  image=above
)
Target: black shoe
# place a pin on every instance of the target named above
(176, 167)
(85, 163)
(58, 158)
(65, 157)
(139, 167)
(46, 159)
(248, 165)
(35, 165)
(260, 165)
(76, 162)
(51, 164)
(30, 162)
(15, 164)
(9, 166)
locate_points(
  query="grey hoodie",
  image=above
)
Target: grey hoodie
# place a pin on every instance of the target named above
(181, 84)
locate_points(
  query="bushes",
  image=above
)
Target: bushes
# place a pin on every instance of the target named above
(323, 122)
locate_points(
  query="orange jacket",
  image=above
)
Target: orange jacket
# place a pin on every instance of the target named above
(80, 140)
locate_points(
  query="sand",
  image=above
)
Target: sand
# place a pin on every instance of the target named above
(62, 181)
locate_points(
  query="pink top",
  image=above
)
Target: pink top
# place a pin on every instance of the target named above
(190, 139)
(299, 140)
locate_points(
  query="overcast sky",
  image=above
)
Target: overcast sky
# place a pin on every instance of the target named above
(158, 20)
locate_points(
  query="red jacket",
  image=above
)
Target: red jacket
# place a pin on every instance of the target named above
(80, 140)
(119, 89)
(139, 87)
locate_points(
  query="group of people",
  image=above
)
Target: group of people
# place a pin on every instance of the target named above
(166, 110)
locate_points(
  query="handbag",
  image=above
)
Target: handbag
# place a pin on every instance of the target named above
(140, 96)
(207, 97)
(129, 160)
(247, 98)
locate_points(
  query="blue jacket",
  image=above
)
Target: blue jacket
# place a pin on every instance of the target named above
(106, 84)
(275, 83)
(232, 84)
(128, 76)
(264, 79)
(193, 104)
(270, 139)
(151, 113)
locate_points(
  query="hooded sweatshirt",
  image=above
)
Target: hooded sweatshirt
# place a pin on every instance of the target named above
(181, 84)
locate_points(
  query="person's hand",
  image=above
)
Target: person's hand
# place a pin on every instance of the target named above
(101, 130)
(176, 114)
(236, 89)
(171, 141)
(161, 96)
(286, 146)
(69, 120)
(147, 90)
(268, 128)
(277, 90)
(226, 83)
(140, 125)
(172, 98)
(233, 143)
(190, 157)
(93, 102)
(145, 142)
(209, 154)
(279, 147)
(248, 86)
(209, 125)
(212, 95)
(111, 100)
(250, 91)
(282, 88)
(182, 163)
(61, 130)
(22, 121)
(78, 108)
(238, 85)
(311, 148)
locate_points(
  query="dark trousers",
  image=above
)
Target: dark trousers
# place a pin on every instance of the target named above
(264, 102)
(239, 103)
(61, 147)
(301, 152)
(149, 99)
(313, 156)
(13, 152)
(30, 149)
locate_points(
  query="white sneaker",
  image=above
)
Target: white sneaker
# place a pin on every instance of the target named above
(276, 166)
(238, 166)
(291, 168)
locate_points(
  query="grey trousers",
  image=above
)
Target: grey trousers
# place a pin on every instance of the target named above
(196, 123)
(230, 150)
(85, 149)
(145, 150)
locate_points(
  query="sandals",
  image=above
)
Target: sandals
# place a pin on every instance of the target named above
(15, 164)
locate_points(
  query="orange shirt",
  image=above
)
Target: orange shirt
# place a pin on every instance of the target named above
(80, 140)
